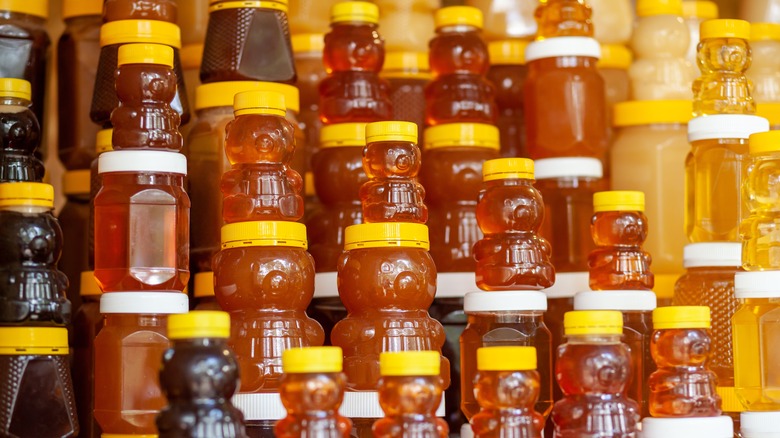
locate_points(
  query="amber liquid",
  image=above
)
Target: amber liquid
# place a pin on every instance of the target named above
(408, 98)
(410, 404)
(74, 220)
(556, 308)
(310, 416)
(508, 83)
(161, 10)
(637, 331)
(310, 73)
(558, 18)
(618, 262)
(87, 322)
(20, 158)
(506, 399)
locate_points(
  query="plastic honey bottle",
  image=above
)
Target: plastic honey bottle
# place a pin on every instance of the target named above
(695, 12)
(761, 190)
(410, 391)
(20, 134)
(353, 57)
(408, 73)
(612, 21)
(511, 255)
(87, 322)
(507, 74)
(407, 24)
(563, 18)
(507, 386)
(763, 71)
(459, 60)
(307, 50)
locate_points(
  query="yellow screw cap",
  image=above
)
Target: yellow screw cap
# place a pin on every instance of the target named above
(458, 16)
(199, 324)
(615, 56)
(312, 360)
(409, 65)
(12, 87)
(259, 102)
(217, 94)
(618, 200)
(308, 42)
(140, 31)
(89, 284)
(764, 32)
(462, 134)
(771, 112)
(38, 8)
(343, 134)
(652, 112)
(647, 8)
(103, 141)
(26, 193)
(663, 285)
(386, 234)
(33, 340)
(76, 182)
(203, 285)
(724, 28)
(81, 8)
(507, 52)
(681, 317)
(191, 56)
(700, 9)
(593, 322)
(410, 363)
(359, 12)
(264, 233)
(506, 358)
(507, 168)
(764, 142)
(157, 54)
(391, 131)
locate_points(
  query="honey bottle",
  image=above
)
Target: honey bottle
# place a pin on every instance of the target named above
(503, 21)
(696, 12)
(163, 10)
(593, 369)
(408, 24)
(391, 161)
(507, 73)
(312, 390)
(408, 73)
(353, 57)
(459, 60)
(683, 385)
(260, 145)
(761, 190)
(198, 376)
(619, 228)
(765, 63)
(87, 322)
(511, 255)
(102, 144)
(307, 50)
(563, 18)
(613, 21)
(507, 387)
(20, 134)
(410, 391)
(454, 154)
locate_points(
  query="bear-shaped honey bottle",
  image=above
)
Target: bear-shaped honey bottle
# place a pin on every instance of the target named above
(20, 133)
(558, 18)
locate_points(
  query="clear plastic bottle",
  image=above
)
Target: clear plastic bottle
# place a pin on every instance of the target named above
(695, 12)
(758, 231)
(563, 18)
(764, 70)
(408, 73)
(74, 220)
(20, 133)
(507, 73)
(612, 21)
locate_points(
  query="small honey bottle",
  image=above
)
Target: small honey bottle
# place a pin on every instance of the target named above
(557, 18)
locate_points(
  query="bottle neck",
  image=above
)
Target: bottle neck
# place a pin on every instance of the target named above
(594, 339)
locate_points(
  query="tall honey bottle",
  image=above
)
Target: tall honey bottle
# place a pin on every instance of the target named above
(408, 74)
(307, 52)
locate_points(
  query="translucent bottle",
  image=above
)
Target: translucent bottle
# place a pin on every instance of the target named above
(74, 220)
(723, 58)
(20, 133)
(511, 255)
(619, 229)
(237, 29)
(507, 73)
(37, 389)
(198, 376)
(507, 19)
(660, 42)
(312, 390)
(452, 177)
(563, 18)
(32, 289)
(683, 385)
(513, 318)
(695, 12)
(760, 189)
(612, 21)
(353, 57)
(410, 391)
(307, 50)
(391, 161)
(613, 68)
(408, 73)
(507, 387)
(407, 24)
(459, 60)
(102, 144)
(765, 54)
(87, 322)
(593, 369)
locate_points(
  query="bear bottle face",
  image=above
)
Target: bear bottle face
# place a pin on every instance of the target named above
(255, 138)
(732, 57)
(510, 389)
(680, 347)
(37, 238)
(313, 392)
(503, 208)
(587, 368)
(20, 131)
(409, 395)
(349, 48)
(458, 53)
(392, 159)
(139, 84)
(199, 373)
(619, 228)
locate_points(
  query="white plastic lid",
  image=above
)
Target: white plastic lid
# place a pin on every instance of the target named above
(623, 300)
(726, 126)
(696, 255)
(699, 427)
(569, 167)
(142, 161)
(567, 284)
(508, 301)
(759, 424)
(148, 303)
(757, 284)
(562, 46)
(365, 404)
(263, 406)
(325, 285)
(466, 431)
(454, 284)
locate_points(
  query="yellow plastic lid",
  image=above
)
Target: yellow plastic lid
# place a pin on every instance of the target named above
(343, 134)
(506, 358)
(12, 87)
(647, 8)
(203, 284)
(507, 52)
(103, 141)
(507, 168)
(191, 56)
(259, 102)
(312, 360)
(408, 65)
(360, 12)
(39, 8)
(724, 28)
(593, 322)
(386, 235)
(410, 363)
(458, 16)
(26, 193)
(140, 31)
(309, 42)
(89, 284)
(199, 324)
(771, 112)
(764, 32)
(663, 285)
(700, 9)
(652, 112)
(218, 94)
(681, 317)
(391, 131)
(763, 142)
(462, 134)
(279, 5)
(157, 54)
(618, 200)
(615, 56)
(33, 340)
(81, 8)
(264, 233)
(76, 182)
